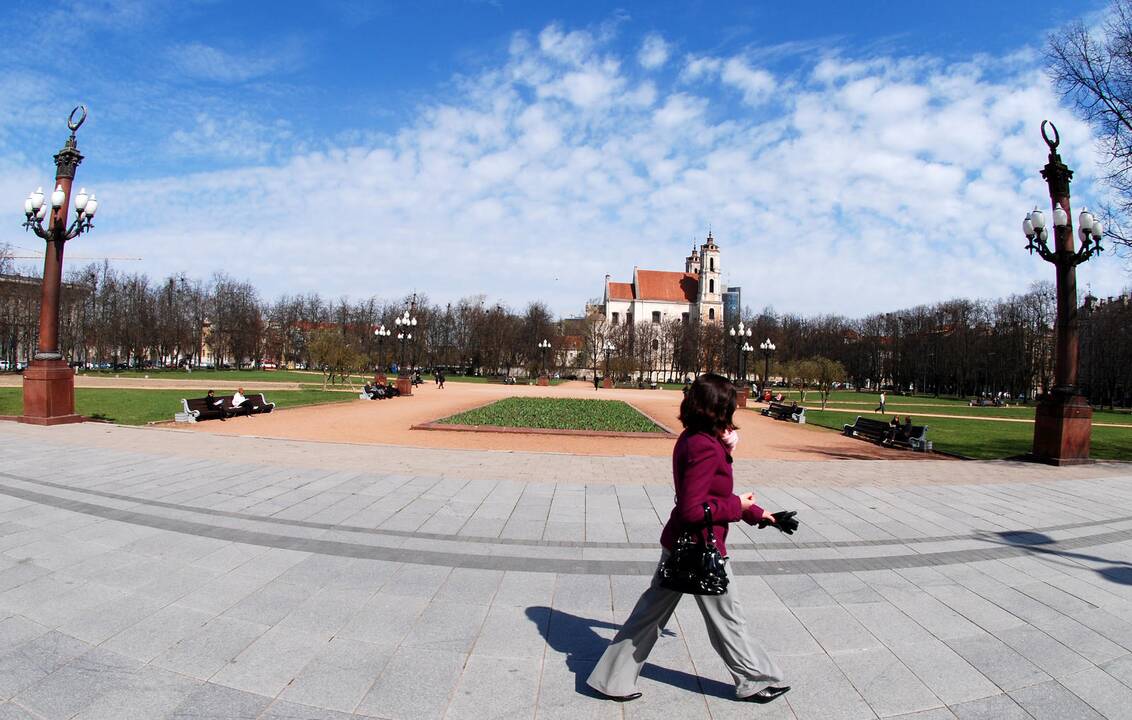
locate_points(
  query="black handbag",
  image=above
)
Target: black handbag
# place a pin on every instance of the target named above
(695, 565)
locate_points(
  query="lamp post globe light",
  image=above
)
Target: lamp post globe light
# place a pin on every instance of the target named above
(381, 332)
(49, 382)
(768, 349)
(739, 335)
(607, 381)
(405, 324)
(544, 377)
(1063, 420)
(747, 349)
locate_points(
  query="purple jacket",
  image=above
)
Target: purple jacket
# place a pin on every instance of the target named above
(701, 472)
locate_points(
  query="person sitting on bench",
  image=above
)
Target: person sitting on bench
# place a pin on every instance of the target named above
(391, 390)
(893, 430)
(216, 403)
(238, 398)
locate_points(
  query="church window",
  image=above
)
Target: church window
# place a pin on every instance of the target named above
(711, 314)
(616, 318)
(684, 317)
(656, 317)
(711, 264)
(711, 286)
(655, 344)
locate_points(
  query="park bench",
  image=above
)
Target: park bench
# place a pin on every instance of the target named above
(197, 409)
(781, 411)
(862, 427)
(878, 431)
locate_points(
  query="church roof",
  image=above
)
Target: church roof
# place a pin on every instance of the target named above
(658, 285)
(620, 291)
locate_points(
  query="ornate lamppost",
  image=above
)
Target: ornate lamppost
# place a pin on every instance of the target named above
(405, 323)
(768, 349)
(544, 378)
(49, 383)
(607, 381)
(1063, 421)
(381, 333)
(747, 350)
(739, 335)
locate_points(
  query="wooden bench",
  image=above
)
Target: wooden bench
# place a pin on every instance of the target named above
(916, 440)
(781, 411)
(879, 431)
(863, 427)
(197, 409)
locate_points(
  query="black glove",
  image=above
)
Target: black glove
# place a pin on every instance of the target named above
(783, 520)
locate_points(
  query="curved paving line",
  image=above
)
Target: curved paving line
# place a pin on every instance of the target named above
(735, 542)
(555, 565)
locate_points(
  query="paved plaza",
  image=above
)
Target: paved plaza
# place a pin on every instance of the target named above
(150, 573)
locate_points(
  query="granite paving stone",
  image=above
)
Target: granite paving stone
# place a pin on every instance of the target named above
(339, 677)
(1053, 701)
(305, 582)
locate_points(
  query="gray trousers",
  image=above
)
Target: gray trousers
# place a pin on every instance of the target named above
(752, 668)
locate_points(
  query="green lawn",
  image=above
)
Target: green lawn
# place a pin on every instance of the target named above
(990, 439)
(138, 407)
(559, 414)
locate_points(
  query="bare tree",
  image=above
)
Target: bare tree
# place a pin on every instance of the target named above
(1094, 73)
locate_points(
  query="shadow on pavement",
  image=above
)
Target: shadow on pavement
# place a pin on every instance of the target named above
(1117, 571)
(577, 639)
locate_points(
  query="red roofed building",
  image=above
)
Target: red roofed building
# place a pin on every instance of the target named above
(660, 295)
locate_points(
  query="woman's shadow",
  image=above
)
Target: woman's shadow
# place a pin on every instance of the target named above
(577, 639)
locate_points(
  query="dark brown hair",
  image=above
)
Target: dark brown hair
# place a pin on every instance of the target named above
(709, 405)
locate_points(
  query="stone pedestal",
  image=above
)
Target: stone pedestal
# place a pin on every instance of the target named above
(49, 393)
(405, 385)
(543, 381)
(607, 382)
(741, 396)
(1063, 425)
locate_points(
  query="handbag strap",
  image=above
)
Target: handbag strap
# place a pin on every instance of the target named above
(710, 527)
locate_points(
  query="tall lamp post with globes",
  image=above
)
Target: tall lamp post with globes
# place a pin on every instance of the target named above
(49, 382)
(739, 335)
(747, 350)
(1063, 420)
(381, 333)
(405, 325)
(607, 381)
(768, 349)
(544, 376)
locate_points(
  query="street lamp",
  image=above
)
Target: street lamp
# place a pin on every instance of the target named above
(608, 348)
(1063, 420)
(544, 346)
(405, 323)
(768, 349)
(49, 383)
(381, 333)
(740, 335)
(747, 350)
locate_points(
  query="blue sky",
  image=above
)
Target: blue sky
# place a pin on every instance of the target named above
(883, 151)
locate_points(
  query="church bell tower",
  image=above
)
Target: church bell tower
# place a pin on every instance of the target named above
(711, 287)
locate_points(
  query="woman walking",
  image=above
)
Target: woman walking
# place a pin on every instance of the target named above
(701, 472)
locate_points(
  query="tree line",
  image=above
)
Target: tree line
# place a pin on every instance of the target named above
(959, 347)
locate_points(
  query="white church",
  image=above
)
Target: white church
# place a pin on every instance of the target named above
(660, 295)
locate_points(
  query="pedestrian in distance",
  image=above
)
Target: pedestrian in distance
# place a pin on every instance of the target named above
(880, 408)
(701, 473)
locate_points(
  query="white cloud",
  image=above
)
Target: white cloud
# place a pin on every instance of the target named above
(869, 185)
(653, 53)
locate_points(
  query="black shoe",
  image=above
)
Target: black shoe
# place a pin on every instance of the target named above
(767, 694)
(621, 698)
